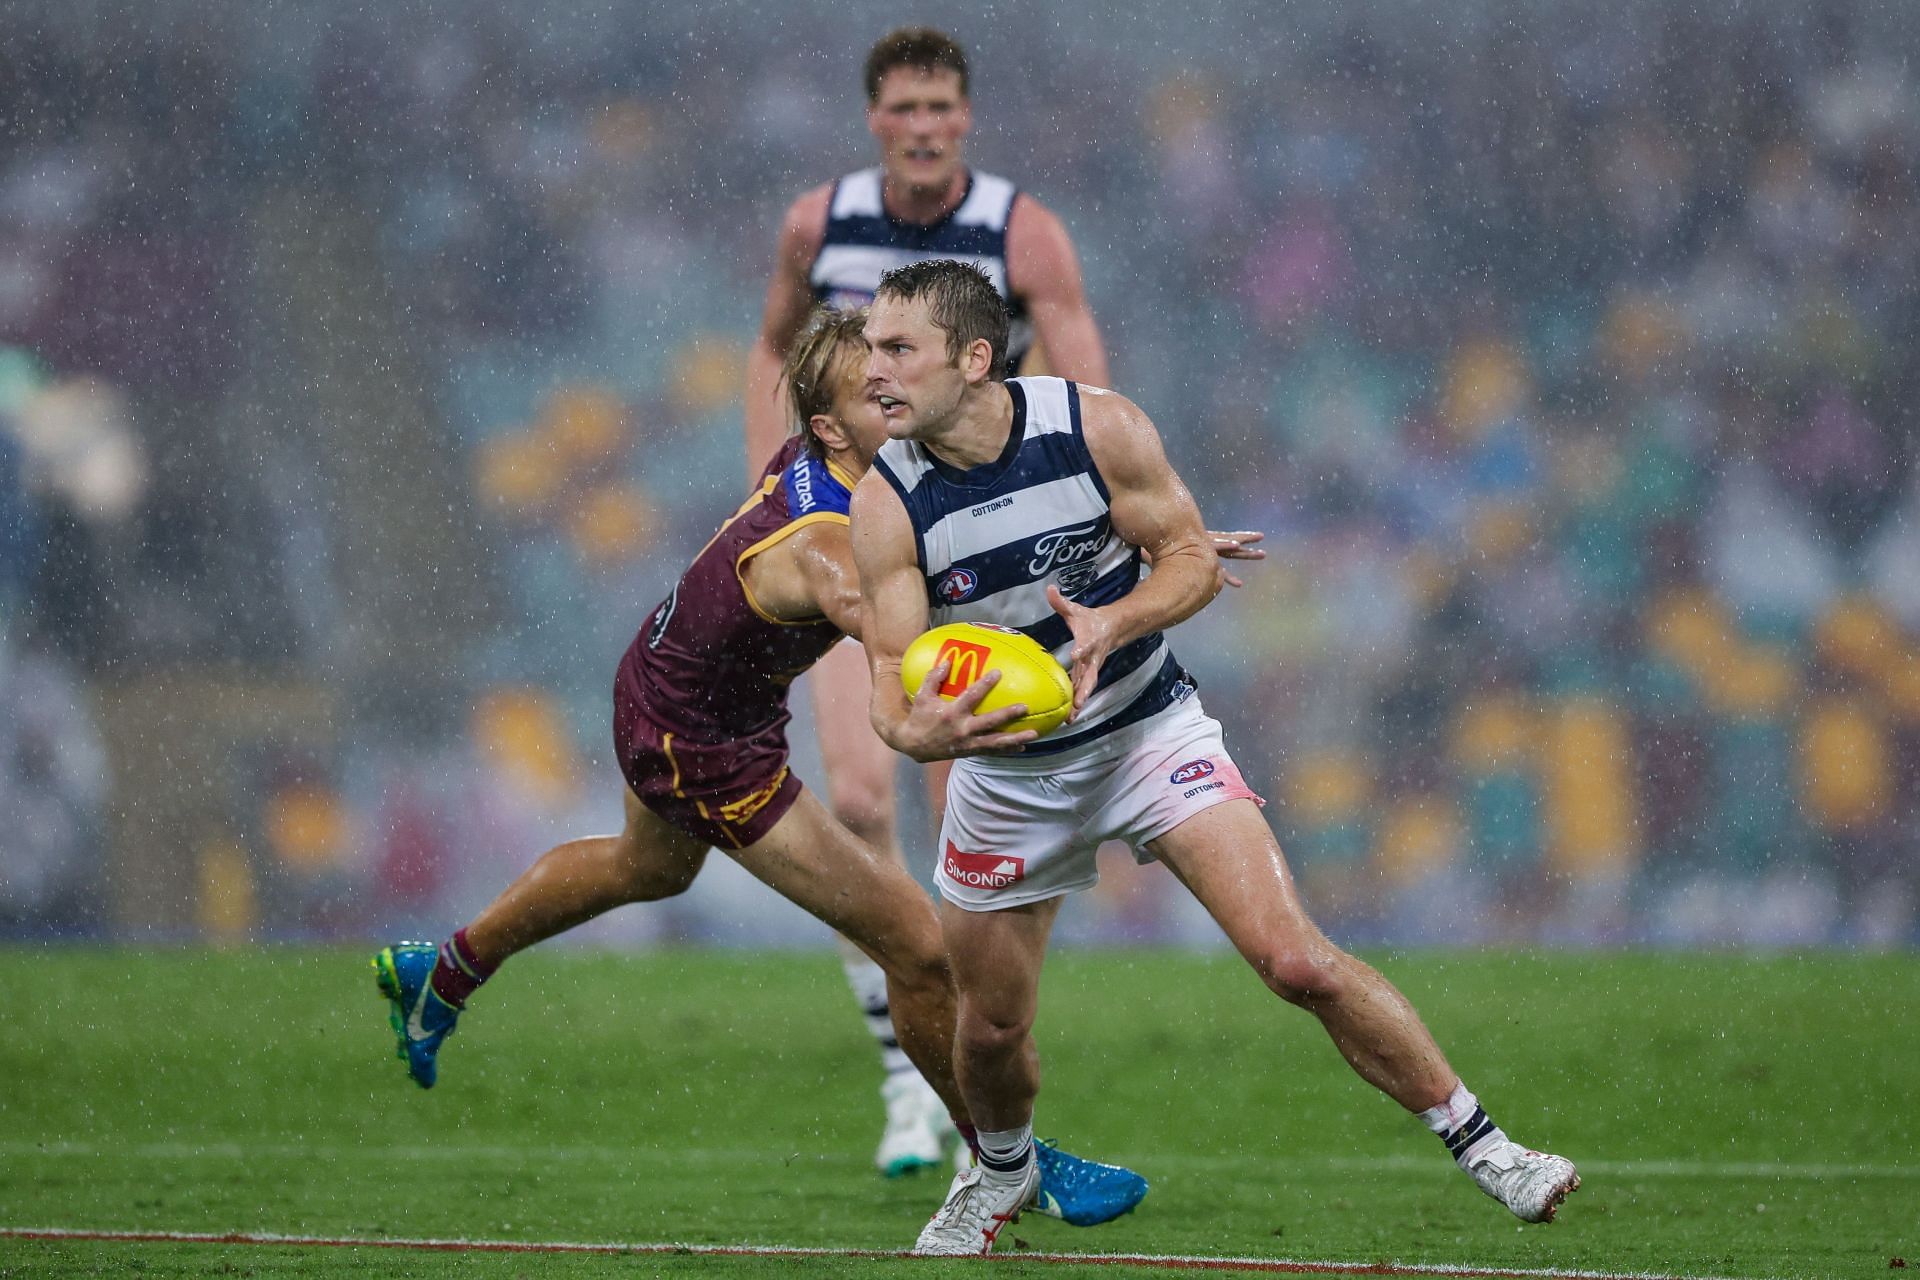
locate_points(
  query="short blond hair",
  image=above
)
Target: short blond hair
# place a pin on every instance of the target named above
(812, 361)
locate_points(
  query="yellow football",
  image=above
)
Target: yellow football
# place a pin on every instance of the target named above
(1028, 672)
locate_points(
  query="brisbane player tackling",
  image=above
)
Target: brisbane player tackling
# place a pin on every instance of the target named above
(700, 714)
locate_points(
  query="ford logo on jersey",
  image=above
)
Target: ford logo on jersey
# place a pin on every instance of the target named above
(1064, 547)
(1191, 771)
(957, 585)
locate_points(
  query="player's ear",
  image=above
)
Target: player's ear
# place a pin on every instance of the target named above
(976, 362)
(830, 431)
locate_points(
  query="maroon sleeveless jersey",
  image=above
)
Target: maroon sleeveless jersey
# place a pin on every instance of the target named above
(700, 700)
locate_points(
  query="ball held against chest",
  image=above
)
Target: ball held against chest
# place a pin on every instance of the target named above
(1028, 672)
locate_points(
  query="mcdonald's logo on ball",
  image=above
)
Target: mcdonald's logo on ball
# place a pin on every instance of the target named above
(1028, 673)
(969, 664)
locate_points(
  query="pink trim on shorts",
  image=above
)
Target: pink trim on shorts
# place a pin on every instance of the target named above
(1233, 787)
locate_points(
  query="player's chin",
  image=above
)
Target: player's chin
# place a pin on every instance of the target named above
(919, 174)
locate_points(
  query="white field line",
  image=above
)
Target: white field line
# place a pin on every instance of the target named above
(1408, 1164)
(1171, 1262)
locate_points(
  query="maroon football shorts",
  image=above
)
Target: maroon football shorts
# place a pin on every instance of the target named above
(727, 793)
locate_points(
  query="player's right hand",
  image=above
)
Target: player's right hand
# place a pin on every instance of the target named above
(938, 728)
(1093, 640)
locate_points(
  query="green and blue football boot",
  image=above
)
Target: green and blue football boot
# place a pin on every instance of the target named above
(1084, 1193)
(420, 1018)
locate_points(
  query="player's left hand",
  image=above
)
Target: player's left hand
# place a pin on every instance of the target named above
(1236, 544)
(1092, 642)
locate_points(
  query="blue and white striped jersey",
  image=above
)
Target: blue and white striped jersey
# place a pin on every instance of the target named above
(862, 244)
(991, 538)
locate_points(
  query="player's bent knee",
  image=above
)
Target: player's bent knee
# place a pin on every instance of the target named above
(913, 948)
(1301, 975)
(921, 971)
(979, 1032)
(658, 884)
(650, 877)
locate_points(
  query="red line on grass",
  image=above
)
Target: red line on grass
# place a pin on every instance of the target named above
(1170, 1262)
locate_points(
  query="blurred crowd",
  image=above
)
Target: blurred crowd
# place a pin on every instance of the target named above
(1564, 365)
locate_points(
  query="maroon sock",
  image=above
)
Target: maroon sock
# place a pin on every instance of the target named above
(458, 972)
(972, 1136)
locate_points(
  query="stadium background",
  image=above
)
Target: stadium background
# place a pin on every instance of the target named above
(367, 377)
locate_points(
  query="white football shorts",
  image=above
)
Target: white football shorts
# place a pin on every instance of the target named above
(1023, 829)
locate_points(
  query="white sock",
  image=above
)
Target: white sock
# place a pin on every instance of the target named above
(1463, 1125)
(1006, 1152)
(869, 983)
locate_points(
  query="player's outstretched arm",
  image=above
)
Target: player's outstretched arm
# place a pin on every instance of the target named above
(1152, 509)
(1044, 272)
(789, 299)
(893, 597)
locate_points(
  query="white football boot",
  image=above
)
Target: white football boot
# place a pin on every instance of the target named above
(918, 1127)
(978, 1205)
(1531, 1183)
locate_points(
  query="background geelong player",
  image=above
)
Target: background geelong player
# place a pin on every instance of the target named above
(921, 201)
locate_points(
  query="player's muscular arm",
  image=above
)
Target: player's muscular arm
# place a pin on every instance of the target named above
(1152, 509)
(1044, 271)
(809, 575)
(893, 597)
(789, 298)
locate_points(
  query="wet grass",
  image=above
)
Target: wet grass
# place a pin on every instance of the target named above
(1734, 1115)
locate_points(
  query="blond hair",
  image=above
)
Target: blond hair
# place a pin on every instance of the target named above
(813, 361)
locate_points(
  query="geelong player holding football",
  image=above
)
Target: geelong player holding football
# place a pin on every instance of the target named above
(948, 526)
(699, 713)
(921, 201)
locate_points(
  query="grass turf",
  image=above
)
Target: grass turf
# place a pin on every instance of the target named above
(1733, 1115)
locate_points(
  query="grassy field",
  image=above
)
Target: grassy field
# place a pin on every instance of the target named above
(1732, 1115)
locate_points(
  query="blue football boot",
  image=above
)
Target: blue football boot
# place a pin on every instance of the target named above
(420, 1018)
(1084, 1193)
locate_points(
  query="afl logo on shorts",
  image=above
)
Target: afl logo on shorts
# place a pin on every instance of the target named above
(1191, 771)
(957, 585)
